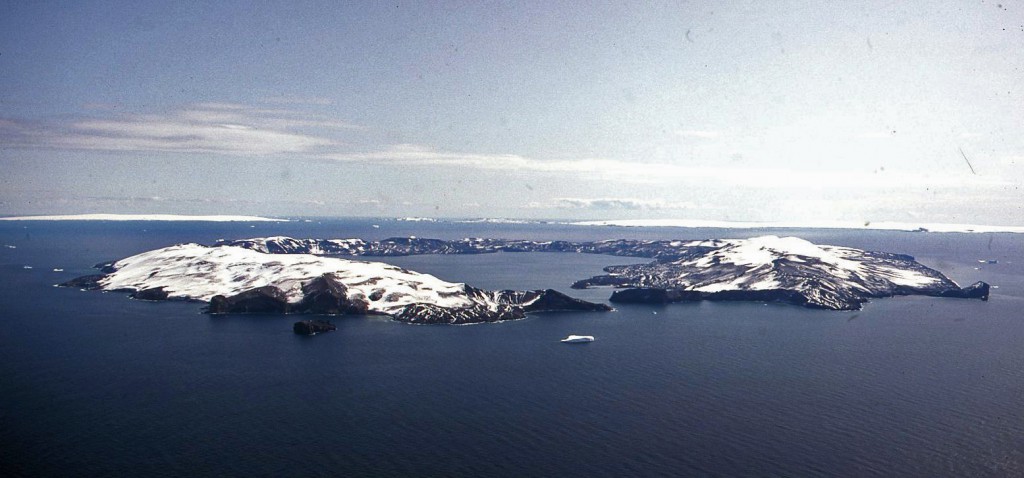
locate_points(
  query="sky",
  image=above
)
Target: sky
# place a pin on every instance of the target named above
(734, 111)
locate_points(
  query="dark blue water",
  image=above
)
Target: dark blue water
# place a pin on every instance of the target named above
(96, 384)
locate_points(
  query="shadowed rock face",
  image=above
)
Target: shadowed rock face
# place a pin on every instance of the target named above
(89, 282)
(313, 327)
(156, 293)
(266, 300)
(547, 300)
(327, 295)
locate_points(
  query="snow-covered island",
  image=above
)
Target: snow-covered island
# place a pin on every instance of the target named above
(240, 280)
(779, 269)
(287, 275)
(767, 268)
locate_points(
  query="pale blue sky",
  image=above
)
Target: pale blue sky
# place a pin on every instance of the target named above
(771, 111)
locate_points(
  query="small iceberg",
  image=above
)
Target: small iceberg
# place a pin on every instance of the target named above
(574, 339)
(58, 270)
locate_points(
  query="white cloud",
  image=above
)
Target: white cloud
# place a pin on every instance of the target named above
(225, 128)
(236, 129)
(675, 173)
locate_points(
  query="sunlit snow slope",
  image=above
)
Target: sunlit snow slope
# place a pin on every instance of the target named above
(237, 279)
(787, 269)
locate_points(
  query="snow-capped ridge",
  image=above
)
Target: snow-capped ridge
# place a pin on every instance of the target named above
(193, 271)
(776, 268)
(244, 279)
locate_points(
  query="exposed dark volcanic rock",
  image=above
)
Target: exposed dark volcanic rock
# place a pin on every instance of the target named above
(156, 293)
(313, 327)
(328, 295)
(89, 282)
(266, 299)
(433, 314)
(546, 300)
(977, 290)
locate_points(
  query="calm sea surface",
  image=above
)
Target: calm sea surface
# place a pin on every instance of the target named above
(95, 384)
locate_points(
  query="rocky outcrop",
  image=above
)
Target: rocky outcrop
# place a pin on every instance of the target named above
(265, 300)
(328, 295)
(434, 314)
(313, 327)
(977, 290)
(89, 282)
(155, 293)
(547, 300)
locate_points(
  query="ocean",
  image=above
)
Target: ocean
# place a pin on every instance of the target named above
(96, 384)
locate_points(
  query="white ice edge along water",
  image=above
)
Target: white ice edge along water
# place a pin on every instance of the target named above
(713, 224)
(882, 226)
(143, 217)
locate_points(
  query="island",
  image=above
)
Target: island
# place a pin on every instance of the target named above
(232, 279)
(310, 276)
(766, 268)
